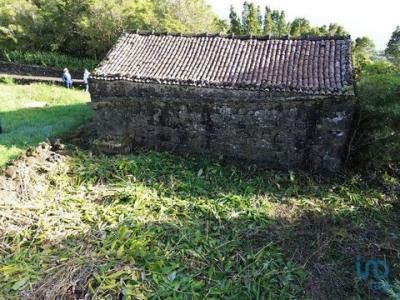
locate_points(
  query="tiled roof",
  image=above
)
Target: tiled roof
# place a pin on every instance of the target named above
(298, 66)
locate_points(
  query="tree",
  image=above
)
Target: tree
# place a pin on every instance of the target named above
(7, 38)
(392, 51)
(363, 53)
(252, 22)
(336, 30)
(260, 18)
(193, 15)
(282, 26)
(274, 23)
(235, 26)
(320, 31)
(221, 25)
(365, 46)
(268, 22)
(251, 19)
(16, 17)
(245, 14)
(90, 27)
(300, 27)
(275, 16)
(60, 25)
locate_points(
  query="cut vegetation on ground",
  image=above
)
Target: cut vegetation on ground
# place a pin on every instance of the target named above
(157, 225)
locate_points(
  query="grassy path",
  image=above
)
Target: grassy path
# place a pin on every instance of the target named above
(24, 126)
(25, 79)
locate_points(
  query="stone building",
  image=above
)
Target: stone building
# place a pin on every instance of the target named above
(278, 102)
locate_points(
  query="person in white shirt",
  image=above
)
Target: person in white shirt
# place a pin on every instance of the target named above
(86, 74)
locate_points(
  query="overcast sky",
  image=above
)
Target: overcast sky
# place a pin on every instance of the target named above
(375, 19)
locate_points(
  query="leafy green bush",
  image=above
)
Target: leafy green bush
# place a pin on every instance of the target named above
(49, 59)
(377, 138)
(380, 67)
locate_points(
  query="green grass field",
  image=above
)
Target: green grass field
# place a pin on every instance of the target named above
(154, 225)
(24, 126)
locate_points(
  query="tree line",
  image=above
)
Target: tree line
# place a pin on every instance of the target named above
(273, 22)
(88, 28)
(257, 21)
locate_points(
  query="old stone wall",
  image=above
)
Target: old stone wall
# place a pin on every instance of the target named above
(34, 70)
(305, 132)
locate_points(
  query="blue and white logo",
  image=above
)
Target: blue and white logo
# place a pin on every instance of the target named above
(375, 270)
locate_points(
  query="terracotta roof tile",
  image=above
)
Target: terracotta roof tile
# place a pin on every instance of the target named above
(303, 65)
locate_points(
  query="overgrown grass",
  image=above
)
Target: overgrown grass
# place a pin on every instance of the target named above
(24, 126)
(377, 142)
(160, 226)
(49, 59)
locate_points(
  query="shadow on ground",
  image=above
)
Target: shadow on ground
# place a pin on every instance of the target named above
(154, 224)
(27, 127)
(289, 219)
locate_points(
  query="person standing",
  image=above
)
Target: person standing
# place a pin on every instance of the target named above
(86, 75)
(67, 79)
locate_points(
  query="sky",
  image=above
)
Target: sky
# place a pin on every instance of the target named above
(375, 19)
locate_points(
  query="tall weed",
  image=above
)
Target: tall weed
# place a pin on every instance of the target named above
(377, 138)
